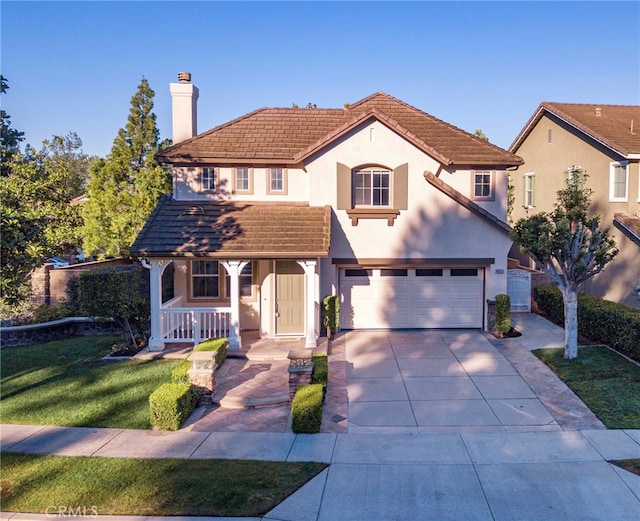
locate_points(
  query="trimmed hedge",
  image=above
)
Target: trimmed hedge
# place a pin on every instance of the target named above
(306, 409)
(602, 321)
(320, 373)
(503, 313)
(180, 373)
(214, 344)
(171, 404)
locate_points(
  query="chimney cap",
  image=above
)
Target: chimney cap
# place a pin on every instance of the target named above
(184, 77)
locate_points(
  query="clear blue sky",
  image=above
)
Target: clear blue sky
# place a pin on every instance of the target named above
(73, 66)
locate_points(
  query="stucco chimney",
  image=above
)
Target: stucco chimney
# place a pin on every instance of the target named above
(598, 112)
(184, 113)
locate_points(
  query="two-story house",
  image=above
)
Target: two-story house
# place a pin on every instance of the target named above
(604, 140)
(399, 213)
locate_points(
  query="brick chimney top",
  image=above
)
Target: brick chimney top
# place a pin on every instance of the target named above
(184, 77)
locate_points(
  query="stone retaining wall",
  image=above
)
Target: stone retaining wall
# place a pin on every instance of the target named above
(56, 330)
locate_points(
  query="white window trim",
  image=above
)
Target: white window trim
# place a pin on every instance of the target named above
(204, 170)
(491, 195)
(532, 176)
(612, 166)
(371, 171)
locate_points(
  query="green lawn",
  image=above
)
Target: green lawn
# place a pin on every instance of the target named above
(605, 381)
(164, 487)
(67, 383)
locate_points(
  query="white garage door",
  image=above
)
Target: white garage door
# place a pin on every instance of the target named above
(411, 298)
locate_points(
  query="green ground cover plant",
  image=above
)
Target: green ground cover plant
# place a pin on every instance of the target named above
(632, 465)
(605, 381)
(67, 383)
(163, 487)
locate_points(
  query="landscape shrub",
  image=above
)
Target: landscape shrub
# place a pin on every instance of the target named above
(320, 373)
(331, 313)
(171, 404)
(503, 314)
(306, 409)
(116, 293)
(215, 344)
(180, 373)
(602, 321)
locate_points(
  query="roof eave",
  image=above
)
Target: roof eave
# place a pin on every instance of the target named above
(466, 202)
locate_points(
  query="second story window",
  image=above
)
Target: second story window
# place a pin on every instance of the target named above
(482, 184)
(372, 187)
(529, 190)
(242, 182)
(618, 182)
(276, 181)
(208, 179)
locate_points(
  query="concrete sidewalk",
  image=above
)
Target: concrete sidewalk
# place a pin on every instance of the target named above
(494, 476)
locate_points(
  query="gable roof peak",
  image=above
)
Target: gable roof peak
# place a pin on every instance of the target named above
(611, 125)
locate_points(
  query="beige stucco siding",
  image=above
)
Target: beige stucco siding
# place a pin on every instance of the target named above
(433, 225)
(548, 161)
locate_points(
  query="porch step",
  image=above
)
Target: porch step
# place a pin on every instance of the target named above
(249, 402)
(250, 384)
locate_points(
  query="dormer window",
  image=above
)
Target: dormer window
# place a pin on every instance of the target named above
(372, 187)
(208, 179)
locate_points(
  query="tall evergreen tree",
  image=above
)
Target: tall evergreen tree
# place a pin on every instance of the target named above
(125, 187)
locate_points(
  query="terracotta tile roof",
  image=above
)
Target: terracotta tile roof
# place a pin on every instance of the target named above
(466, 202)
(616, 126)
(630, 226)
(247, 230)
(290, 135)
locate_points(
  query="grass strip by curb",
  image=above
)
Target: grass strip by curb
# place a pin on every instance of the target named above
(605, 381)
(145, 487)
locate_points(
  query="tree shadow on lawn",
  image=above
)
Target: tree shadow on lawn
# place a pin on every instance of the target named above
(84, 391)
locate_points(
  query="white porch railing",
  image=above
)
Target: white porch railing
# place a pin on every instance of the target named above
(194, 324)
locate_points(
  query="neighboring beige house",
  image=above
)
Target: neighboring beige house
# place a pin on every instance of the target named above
(605, 141)
(399, 213)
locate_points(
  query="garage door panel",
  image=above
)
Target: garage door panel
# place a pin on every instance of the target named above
(411, 301)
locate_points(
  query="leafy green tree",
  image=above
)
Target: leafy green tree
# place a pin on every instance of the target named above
(125, 187)
(478, 133)
(37, 220)
(10, 138)
(568, 246)
(65, 153)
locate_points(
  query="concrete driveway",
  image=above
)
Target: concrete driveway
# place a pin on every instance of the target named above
(437, 381)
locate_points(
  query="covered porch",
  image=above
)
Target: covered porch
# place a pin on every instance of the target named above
(280, 301)
(221, 268)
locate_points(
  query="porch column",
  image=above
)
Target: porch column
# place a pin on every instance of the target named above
(233, 268)
(309, 267)
(156, 267)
